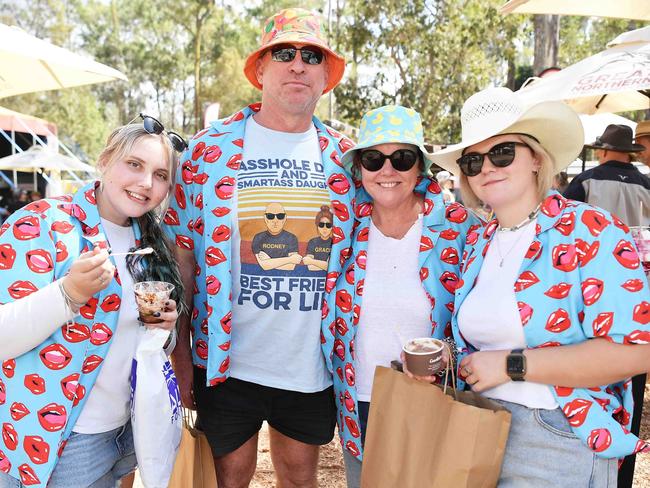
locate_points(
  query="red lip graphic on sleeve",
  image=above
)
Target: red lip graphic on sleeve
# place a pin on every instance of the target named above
(201, 179)
(341, 326)
(622, 416)
(633, 285)
(7, 256)
(61, 251)
(111, 303)
(91, 363)
(566, 223)
(204, 326)
(592, 290)
(559, 291)
(339, 350)
(18, 410)
(449, 281)
(34, 383)
(89, 309)
(90, 231)
(599, 440)
(349, 374)
(361, 259)
(38, 206)
(73, 210)
(344, 255)
(641, 313)
(323, 142)
(595, 221)
(89, 195)
(449, 234)
(70, 385)
(533, 250)
(214, 256)
(184, 242)
(349, 274)
(37, 449)
(343, 301)
(55, 356)
(525, 312)
(171, 217)
(330, 280)
(52, 417)
(352, 427)
(424, 273)
(5, 465)
(490, 227)
(363, 210)
(563, 391)
(234, 162)
(338, 184)
(39, 261)
(352, 448)
(335, 158)
(9, 367)
(586, 252)
(324, 311)
(456, 213)
(552, 206)
(576, 411)
(179, 195)
(20, 289)
(100, 334)
(27, 475)
(426, 243)
(199, 226)
(359, 288)
(212, 153)
(558, 321)
(348, 402)
(198, 203)
(352, 349)
(337, 235)
(224, 365)
(76, 332)
(340, 210)
(27, 228)
(345, 144)
(225, 187)
(202, 349)
(625, 254)
(548, 344)
(221, 211)
(221, 233)
(526, 280)
(226, 321)
(188, 171)
(234, 118)
(472, 235)
(427, 205)
(339, 373)
(565, 257)
(212, 285)
(225, 346)
(9, 436)
(197, 150)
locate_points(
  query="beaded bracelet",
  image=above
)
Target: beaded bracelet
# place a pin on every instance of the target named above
(71, 304)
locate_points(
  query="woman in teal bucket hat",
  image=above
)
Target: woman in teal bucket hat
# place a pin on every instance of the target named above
(405, 264)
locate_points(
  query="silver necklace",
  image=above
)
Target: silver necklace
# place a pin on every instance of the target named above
(502, 257)
(531, 216)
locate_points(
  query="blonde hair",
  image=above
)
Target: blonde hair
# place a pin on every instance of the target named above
(544, 175)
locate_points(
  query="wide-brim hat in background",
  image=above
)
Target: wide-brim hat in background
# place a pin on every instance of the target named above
(496, 111)
(389, 124)
(642, 129)
(617, 137)
(299, 27)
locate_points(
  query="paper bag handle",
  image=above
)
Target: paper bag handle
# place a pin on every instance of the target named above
(450, 367)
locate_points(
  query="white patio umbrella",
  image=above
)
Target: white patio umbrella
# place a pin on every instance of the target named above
(595, 125)
(622, 9)
(37, 157)
(29, 64)
(614, 80)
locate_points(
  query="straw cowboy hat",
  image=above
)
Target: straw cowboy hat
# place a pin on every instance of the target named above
(295, 26)
(496, 111)
(642, 129)
(617, 137)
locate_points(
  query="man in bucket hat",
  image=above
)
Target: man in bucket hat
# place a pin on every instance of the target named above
(256, 346)
(615, 184)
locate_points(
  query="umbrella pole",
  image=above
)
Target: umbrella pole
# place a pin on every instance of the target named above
(35, 179)
(15, 179)
(583, 156)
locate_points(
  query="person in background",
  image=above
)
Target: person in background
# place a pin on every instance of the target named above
(69, 322)
(399, 281)
(642, 137)
(560, 181)
(446, 182)
(551, 313)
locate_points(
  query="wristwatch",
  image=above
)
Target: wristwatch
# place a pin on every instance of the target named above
(516, 365)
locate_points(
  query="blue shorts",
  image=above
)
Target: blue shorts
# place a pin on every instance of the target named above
(90, 460)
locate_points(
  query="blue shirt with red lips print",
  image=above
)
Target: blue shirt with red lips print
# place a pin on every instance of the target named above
(446, 229)
(43, 391)
(199, 219)
(580, 279)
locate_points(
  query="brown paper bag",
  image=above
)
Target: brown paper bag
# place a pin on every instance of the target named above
(420, 437)
(194, 466)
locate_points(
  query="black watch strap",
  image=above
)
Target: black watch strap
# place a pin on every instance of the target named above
(516, 365)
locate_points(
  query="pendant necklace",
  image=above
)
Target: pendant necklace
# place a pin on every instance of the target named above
(531, 217)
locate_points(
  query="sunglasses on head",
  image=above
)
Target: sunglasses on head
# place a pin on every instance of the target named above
(402, 159)
(500, 155)
(153, 126)
(272, 216)
(325, 224)
(286, 53)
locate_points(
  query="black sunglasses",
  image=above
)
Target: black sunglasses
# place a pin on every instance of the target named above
(286, 53)
(272, 216)
(501, 155)
(402, 159)
(325, 224)
(153, 126)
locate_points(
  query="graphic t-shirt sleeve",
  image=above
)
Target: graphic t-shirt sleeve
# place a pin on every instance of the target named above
(257, 243)
(311, 246)
(292, 244)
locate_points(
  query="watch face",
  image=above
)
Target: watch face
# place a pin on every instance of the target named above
(515, 364)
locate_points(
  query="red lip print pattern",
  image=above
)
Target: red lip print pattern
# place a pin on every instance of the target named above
(525, 312)
(55, 356)
(33, 383)
(449, 234)
(221, 211)
(39, 261)
(566, 223)
(184, 242)
(363, 210)
(225, 187)
(100, 334)
(449, 281)
(221, 234)
(9, 367)
(5, 465)
(27, 475)
(20, 289)
(352, 427)
(171, 217)
(340, 210)
(559, 291)
(26, 228)
(7, 256)
(61, 251)
(558, 321)
(349, 374)
(338, 184)
(599, 440)
(52, 417)
(18, 410)
(343, 301)
(76, 332)
(633, 285)
(39, 206)
(202, 349)
(602, 324)
(592, 290)
(341, 326)
(641, 313)
(188, 171)
(526, 280)
(9, 436)
(352, 448)
(234, 162)
(552, 206)
(337, 235)
(224, 365)
(179, 195)
(576, 411)
(111, 303)
(563, 391)
(595, 221)
(212, 153)
(73, 210)
(197, 150)
(348, 402)
(565, 257)
(226, 321)
(37, 449)
(212, 285)
(91, 363)
(586, 251)
(361, 259)
(456, 213)
(89, 309)
(214, 256)
(625, 254)
(70, 385)
(330, 280)
(339, 350)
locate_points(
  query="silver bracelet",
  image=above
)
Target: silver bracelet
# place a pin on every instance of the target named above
(70, 303)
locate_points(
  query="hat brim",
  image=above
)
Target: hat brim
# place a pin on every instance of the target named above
(608, 147)
(554, 124)
(335, 62)
(348, 158)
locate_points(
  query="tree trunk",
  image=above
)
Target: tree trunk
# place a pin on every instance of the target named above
(547, 41)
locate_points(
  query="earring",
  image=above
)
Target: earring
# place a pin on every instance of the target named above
(535, 172)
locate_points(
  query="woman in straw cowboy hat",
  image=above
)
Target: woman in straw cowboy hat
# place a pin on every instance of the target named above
(404, 264)
(552, 298)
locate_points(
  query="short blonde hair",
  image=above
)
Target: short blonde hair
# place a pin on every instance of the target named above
(544, 174)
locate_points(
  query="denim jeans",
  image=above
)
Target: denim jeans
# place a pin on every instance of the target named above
(90, 460)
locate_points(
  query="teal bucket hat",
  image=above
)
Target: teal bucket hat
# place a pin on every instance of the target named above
(389, 124)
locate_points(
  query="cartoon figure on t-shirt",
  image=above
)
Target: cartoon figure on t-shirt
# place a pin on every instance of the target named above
(318, 248)
(275, 248)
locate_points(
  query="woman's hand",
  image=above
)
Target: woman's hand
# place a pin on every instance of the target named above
(90, 273)
(169, 316)
(484, 369)
(425, 379)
